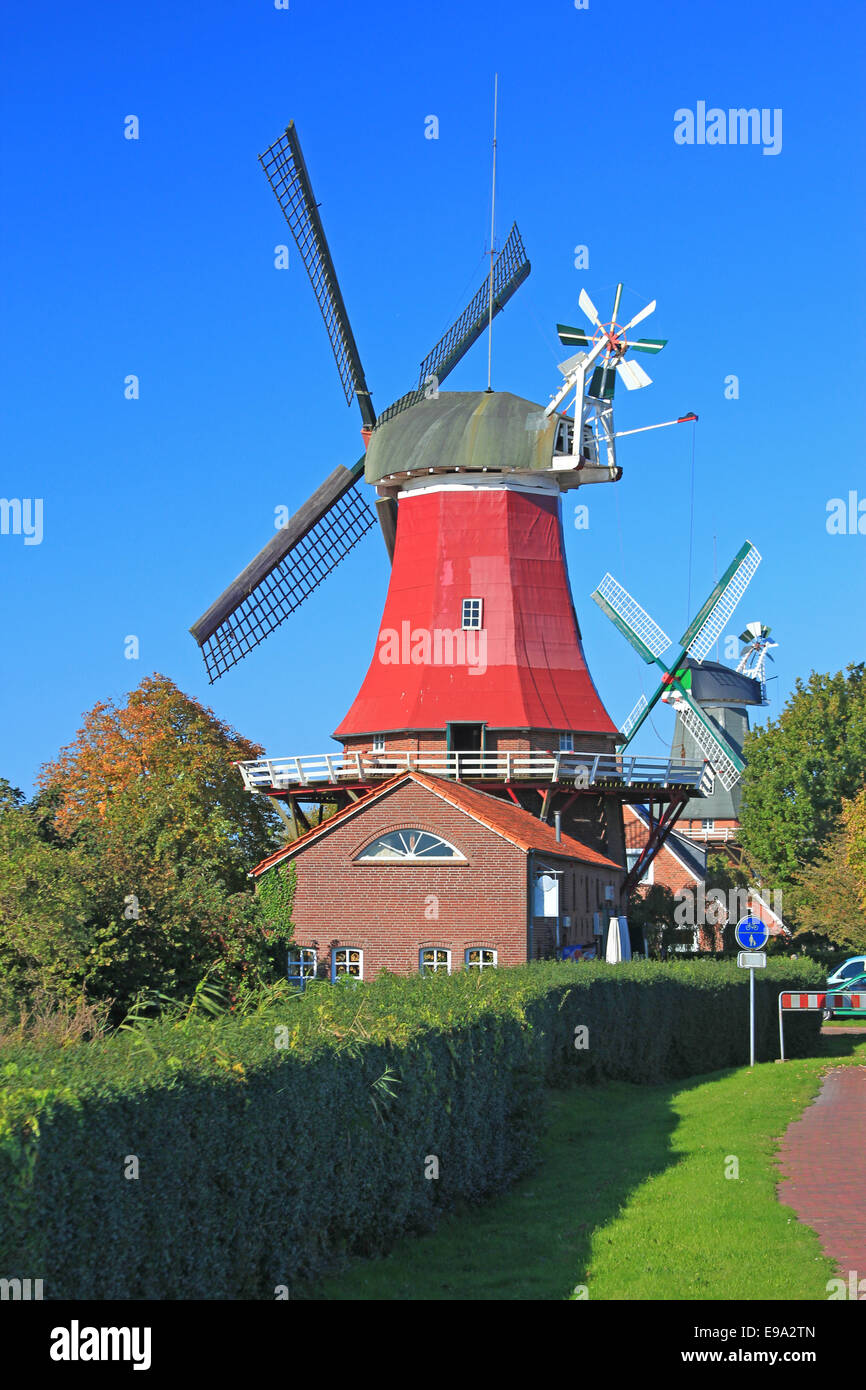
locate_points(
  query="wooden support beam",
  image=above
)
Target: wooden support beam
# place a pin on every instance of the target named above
(289, 820)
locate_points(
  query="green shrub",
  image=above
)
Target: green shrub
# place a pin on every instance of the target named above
(262, 1165)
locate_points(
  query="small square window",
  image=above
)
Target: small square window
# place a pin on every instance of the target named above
(566, 743)
(431, 959)
(302, 965)
(378, 743)
(472, 613)
(346, 960)
(480, 958)
(708, 825)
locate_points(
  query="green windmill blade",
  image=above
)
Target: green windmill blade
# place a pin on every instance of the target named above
(635, 624)
(648, 345)
(573, 337)
(602, 385)
(714, 613)
(644, 634)
(724, 760)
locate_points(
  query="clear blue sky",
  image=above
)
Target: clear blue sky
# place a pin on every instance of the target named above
(155, 257)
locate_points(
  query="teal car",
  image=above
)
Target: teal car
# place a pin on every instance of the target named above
(855, 985)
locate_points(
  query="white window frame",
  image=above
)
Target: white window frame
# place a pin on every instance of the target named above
(307, 964)
(437, 967)
(708, 825)
(481, 964)
(409, 857)
(345, 951)
(566, 743)
(378, 743)
(472, 614)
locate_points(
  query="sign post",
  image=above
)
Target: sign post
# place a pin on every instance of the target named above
(751, 933)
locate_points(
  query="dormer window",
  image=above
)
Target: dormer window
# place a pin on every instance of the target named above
(472, 614)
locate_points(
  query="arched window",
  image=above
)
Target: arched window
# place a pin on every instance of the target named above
(410, 847)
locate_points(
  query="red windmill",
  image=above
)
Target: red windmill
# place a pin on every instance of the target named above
(478, 671)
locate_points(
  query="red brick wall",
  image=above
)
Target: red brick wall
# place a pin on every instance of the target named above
(389, 911)
(501, 740)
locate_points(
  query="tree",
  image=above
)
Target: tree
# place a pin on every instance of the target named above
(828, 895)
(135, 856)
(45, 913)
(854, 817)
(799, 769)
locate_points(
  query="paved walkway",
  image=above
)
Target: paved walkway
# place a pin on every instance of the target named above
(823, 1161)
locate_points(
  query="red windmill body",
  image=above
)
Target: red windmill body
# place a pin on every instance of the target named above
(479, 645)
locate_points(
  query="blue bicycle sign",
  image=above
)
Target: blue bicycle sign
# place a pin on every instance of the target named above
(751, 933)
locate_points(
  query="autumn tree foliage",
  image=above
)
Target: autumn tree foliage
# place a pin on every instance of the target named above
(146, 824)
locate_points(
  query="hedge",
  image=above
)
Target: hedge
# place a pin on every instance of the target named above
(270, 1147)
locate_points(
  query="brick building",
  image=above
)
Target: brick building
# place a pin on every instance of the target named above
(426, 873)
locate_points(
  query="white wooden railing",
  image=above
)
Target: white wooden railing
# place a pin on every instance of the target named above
(579, 769)
(703, 836)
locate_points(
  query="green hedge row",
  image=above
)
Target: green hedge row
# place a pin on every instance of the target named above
(268, 1147)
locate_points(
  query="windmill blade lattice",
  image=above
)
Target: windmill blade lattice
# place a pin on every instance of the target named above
(510, 269)
(636, 625)
(634, 716)
(289, 568)
(724, 762)
(706, 627)
(287, 174)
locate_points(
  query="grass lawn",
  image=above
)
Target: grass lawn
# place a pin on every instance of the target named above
(630, 1199)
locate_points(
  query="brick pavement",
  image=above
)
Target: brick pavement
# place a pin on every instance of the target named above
(822, 1160)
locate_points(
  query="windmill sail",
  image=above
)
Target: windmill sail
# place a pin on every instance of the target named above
(293, 563)
(726, 764)
(634, 622)
(509, 272)
(706, 626)
(287, 174)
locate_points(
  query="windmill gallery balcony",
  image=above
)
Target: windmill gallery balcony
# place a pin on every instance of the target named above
(598, 772)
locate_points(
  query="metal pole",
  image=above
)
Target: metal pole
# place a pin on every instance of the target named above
(492, 226)
(751, 1016)
(781, 1033)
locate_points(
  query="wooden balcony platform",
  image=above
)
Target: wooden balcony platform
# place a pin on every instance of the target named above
(317, 776)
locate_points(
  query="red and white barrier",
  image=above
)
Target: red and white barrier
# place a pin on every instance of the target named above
(846, 1001)
(791, 1002)
(801, 1001)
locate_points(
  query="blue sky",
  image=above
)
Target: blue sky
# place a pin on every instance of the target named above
(155, 257)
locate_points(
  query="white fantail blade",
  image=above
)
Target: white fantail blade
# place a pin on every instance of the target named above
(571, 363)
(638, 318)
(617, 298)
(633, 374)
(589, 308)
